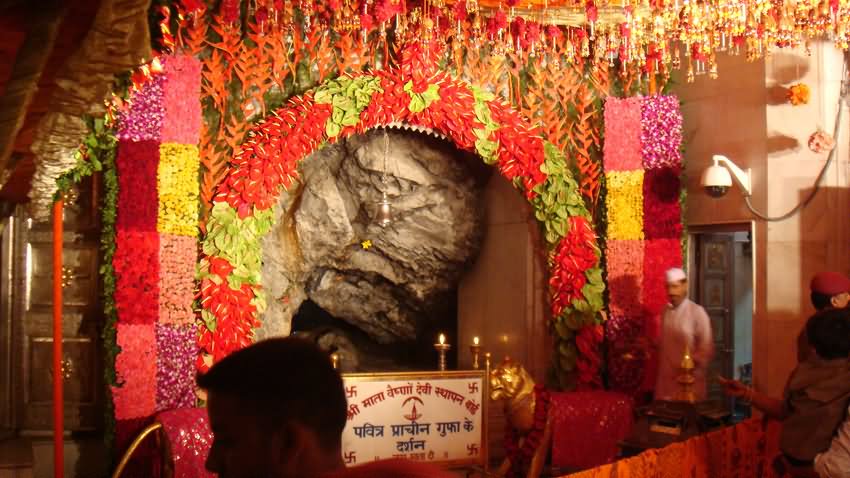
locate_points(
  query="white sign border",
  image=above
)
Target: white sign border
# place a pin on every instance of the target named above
(483, 374)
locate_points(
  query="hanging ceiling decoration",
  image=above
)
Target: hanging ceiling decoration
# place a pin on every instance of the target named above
(650, 34)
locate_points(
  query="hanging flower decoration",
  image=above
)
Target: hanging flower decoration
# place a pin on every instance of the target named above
(231, 292)
(799, 94)
(642, 162)
(155, 216)
(821, 142)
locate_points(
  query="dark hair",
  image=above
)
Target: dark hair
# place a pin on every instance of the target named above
(284, 379)
(829, 333)
(821, 301)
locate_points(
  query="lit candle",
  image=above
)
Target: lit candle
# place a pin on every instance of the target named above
(475, 348)
(442, 347)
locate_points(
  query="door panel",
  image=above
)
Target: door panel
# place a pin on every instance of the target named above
(715, 259)
(81, 323)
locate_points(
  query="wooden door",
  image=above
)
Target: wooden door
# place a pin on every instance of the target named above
(715, 276)
(32, 302)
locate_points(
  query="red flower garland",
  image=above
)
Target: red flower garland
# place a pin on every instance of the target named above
(588, 342)
(236, 317)
(660, 255)
(138, 201)
(575, 254)
(136, 264)
(661, 203)
(521, 456)
(268, 161)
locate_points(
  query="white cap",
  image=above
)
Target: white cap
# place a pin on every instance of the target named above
(675, 275)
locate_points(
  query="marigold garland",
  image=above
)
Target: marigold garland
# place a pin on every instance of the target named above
(177, 180)
(625, 204)
(799, 94)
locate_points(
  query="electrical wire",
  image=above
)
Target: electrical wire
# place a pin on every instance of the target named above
(843, 96)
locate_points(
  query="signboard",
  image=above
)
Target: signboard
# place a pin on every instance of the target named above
(429, 416)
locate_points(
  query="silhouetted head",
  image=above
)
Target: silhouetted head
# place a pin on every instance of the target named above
(277, 410)
(828, 332)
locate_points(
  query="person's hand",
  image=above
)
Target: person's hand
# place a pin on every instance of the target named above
(733, 388)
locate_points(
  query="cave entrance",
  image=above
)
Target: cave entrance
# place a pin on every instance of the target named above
(359, 352)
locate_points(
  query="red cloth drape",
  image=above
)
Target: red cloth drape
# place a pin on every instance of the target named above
(745, 450)
(586, 427)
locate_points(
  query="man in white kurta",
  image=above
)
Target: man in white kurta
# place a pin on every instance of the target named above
(684, 324)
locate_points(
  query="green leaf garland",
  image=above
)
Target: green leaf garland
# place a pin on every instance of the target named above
(349, 97)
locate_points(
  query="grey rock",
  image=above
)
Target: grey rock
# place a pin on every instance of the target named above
(390, 289)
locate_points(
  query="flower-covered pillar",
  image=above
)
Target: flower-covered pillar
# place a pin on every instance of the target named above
(156, 247)
(642, 165)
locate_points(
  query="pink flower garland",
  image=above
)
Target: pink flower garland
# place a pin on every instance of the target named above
(625, 276)
(622, 134)
(182, 120)
(175, 366)
(136, 369)
(178, 256)
(142, 121)
(661, 132)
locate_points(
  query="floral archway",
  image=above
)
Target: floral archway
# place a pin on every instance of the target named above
(415, 93)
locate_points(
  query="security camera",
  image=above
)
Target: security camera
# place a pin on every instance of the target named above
(717, 180)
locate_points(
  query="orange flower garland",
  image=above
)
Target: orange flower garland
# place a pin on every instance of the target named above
(799, 94)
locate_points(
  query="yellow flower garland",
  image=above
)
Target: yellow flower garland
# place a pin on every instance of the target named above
(625, 204)
(177, 181)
